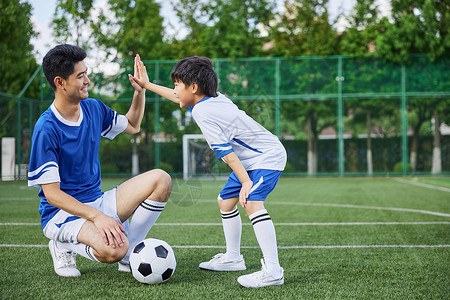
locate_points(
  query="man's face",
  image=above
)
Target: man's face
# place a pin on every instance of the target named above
(76, 85)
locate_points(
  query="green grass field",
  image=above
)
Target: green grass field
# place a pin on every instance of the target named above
(339, 238)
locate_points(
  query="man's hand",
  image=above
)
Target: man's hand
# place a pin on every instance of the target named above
(111, 230)
(140, 78)
(245, 192)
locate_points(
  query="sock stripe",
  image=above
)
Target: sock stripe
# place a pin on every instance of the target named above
(259, 216)
(152, 207)
(88, 252)
(261, 220)
(231, 214)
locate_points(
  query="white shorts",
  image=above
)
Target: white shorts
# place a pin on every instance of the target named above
(64, 227)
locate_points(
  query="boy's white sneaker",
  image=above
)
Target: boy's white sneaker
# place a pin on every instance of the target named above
(64, 261)
(261, 278)
(220, 262)
(124, 266)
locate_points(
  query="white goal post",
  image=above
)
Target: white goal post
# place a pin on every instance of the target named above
(198, 158)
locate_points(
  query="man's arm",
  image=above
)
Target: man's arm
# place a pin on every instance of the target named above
(136, 111)
(235, 164)
(111, 230)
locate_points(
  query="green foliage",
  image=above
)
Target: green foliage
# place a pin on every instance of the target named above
(136, 27)
(17, 62)
(398, 167)
(70, 21)
(304, 30)
(224, 28)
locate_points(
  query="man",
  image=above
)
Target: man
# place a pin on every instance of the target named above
(76, 215)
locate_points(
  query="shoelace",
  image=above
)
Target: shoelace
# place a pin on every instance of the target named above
(263, 273)
(67, 259)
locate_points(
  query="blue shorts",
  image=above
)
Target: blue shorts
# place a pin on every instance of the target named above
(264, 181)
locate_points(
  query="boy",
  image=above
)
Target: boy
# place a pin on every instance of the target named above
(256, 157)
(76, 215)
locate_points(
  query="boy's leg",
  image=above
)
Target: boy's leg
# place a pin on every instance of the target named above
(232, 260)
(271, 272)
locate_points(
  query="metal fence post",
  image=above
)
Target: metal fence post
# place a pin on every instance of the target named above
(340, 119)
(156, 106)
(404, 122)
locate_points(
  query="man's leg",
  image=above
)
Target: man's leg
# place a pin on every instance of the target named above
(155, 185)
(144, 196)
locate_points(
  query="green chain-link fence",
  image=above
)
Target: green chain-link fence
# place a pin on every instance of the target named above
(335, 115)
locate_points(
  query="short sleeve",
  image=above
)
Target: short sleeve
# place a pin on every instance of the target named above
(43, 166)
(113, 123)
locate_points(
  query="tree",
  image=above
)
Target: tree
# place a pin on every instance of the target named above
(359, 39)
(17, 62)
(304, 29)
(417, 27)
(225, 28)
(71, 22)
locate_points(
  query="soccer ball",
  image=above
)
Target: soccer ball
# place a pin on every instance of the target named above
(152, 261)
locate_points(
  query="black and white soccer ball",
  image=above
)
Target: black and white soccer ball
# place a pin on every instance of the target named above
(152, 261)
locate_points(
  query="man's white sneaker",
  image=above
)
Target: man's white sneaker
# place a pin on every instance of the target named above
(261, 278)
(124, 266)
(221, 263)
(63, 261)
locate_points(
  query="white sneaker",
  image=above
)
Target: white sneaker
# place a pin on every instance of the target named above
(124, 266)
(63, 261)
(221, 263)
(261, 278)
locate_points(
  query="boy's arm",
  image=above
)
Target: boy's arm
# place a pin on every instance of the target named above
(143, 81)
(235, 164)
(111, 230)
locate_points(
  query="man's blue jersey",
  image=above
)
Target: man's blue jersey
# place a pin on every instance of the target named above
(67, 152)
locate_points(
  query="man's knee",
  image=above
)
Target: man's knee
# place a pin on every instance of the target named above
(164, 183)
(111, 255)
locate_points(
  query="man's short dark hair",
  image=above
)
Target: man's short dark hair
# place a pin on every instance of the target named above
(60, 61)
(199, 70)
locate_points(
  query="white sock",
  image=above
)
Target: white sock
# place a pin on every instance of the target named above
(143, 219)
(232, 228)
(265, 234)
(79, 248)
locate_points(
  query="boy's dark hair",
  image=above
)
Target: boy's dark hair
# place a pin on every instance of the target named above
(60, 61)
(199, 70)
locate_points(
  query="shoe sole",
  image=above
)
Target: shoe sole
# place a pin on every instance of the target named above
(249, 286)
(224, 270)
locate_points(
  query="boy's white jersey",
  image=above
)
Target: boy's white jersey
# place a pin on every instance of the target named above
(226, 128)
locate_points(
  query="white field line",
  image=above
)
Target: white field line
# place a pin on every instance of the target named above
(420, 211)
(256, 247)
(430, 186)
(276, 224)
(20, 198)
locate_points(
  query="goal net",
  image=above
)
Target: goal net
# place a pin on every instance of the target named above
(198, 159)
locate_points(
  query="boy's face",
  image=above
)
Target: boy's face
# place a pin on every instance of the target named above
(185, 94)
(76, 85)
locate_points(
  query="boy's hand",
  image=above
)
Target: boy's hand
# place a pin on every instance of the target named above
(245, 192)
(140, 77)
